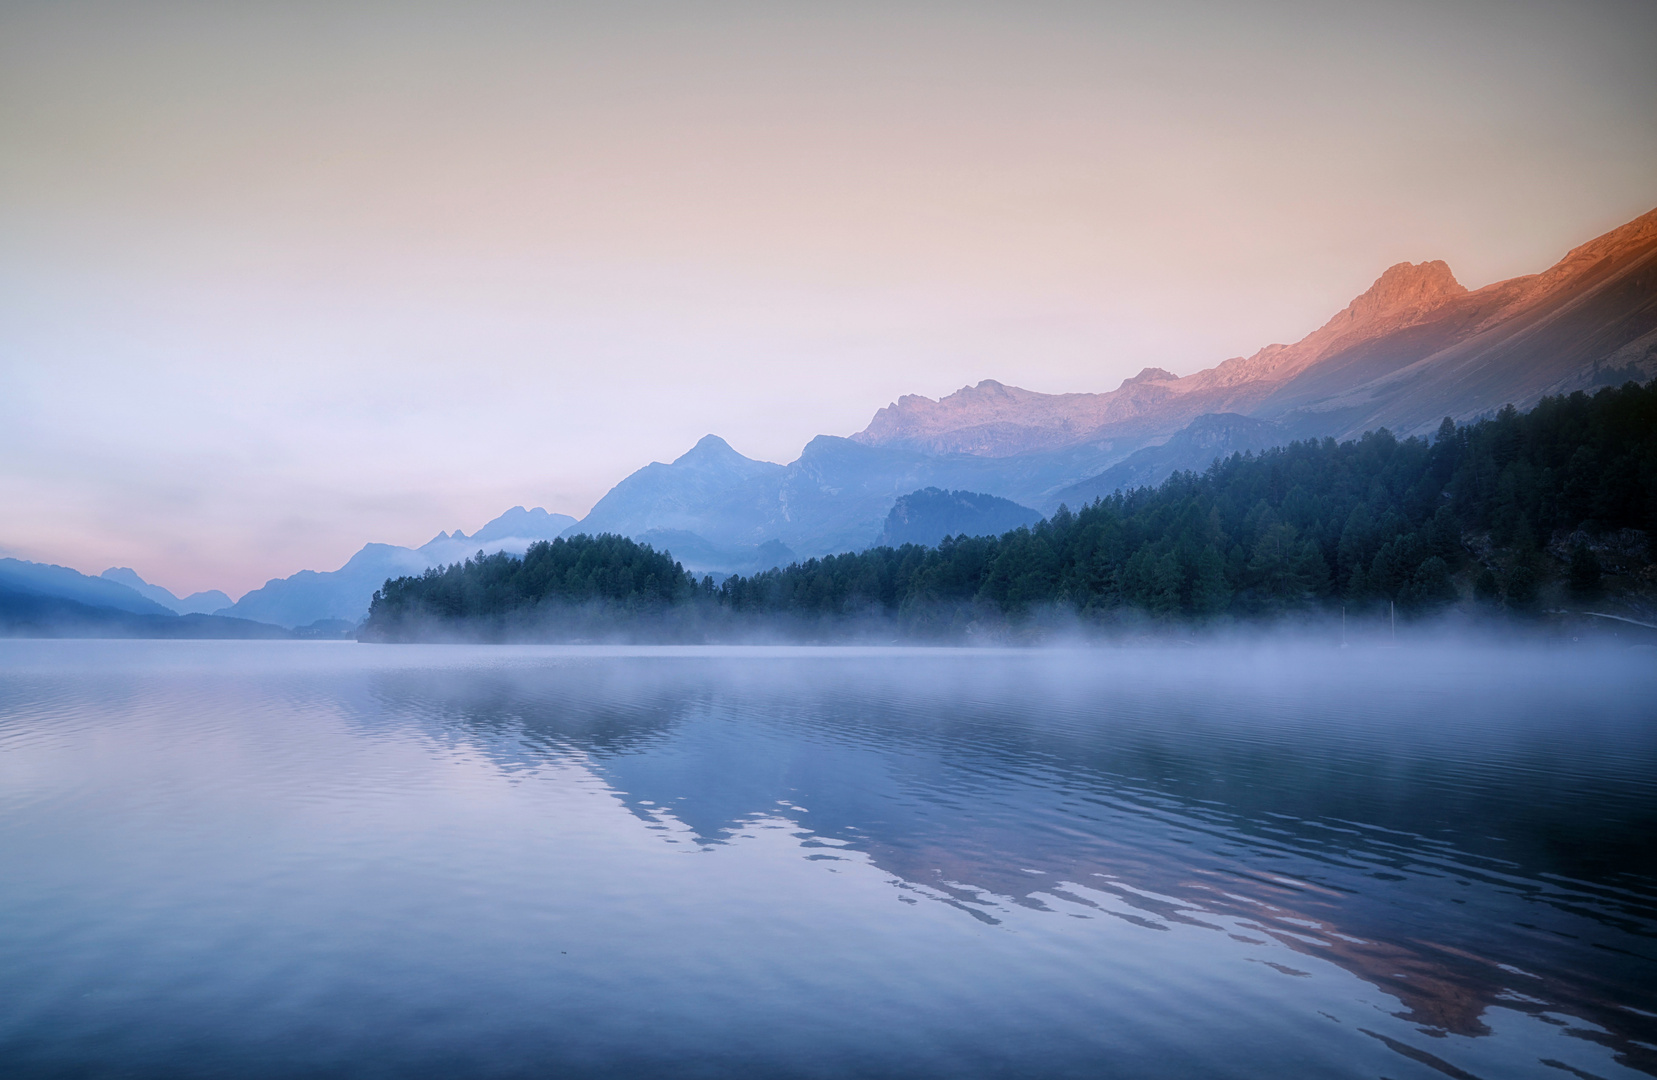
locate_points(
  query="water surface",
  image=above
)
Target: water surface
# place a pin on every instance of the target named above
(277, 859)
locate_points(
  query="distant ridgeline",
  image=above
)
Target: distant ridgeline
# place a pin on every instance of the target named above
(1513, 513)
(931, 515)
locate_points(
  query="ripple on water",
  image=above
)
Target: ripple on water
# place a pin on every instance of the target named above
(259, 858)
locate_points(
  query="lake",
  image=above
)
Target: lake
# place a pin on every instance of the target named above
(257, 859)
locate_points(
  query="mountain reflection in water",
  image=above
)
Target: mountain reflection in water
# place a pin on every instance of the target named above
(1465, 832)
(1459, 838)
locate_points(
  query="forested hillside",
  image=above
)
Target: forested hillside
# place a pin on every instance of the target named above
(1505, 515)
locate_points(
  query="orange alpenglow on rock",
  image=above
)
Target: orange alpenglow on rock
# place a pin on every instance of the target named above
(1415, 347)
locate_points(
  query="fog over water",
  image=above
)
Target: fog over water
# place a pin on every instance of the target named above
(260, 859)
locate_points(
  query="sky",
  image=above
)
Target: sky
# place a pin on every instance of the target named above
(280, 279)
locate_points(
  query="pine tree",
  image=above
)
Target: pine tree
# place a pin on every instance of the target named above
(1585, 573)
(1523, 589)
(1486, 589)
(1210, 592)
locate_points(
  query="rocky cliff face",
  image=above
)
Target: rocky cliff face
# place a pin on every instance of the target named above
(1590, 320)
(1416, 346)
(990, 419)
(1406, 295)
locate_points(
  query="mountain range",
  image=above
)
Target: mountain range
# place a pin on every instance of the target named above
(43, 600)
(1415, 347)
(197, 603)
(39, 598)
(715, 510)
(1216, 435)
(44, 579)
(342, 596)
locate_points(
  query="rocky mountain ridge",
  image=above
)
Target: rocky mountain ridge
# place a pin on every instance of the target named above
(197, 603)
(46, 600)
(719, 512)
(1208, 437)
(1413, 348)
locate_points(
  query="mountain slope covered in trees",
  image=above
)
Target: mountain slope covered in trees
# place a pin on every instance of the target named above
(1414, 347)
(1505, 513)
(930, 515)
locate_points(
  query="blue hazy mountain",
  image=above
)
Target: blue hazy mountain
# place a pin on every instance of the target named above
(1415, 347)
(925, 517)
(840, 491)
(715, 509)
(311, 596)
(43, 600)
(712, 493)
(518, 524)
(32, 614)
(47, 580)
(197, 603)
(701, 556)
(1194, 448)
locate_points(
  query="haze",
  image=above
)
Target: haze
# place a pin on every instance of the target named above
(277, 282)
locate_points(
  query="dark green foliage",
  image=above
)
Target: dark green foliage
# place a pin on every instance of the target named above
(930, 514)
(1312, 524)
(1486, 589)
(1523, 588)
(1431, 588)
(611, 572)
(1210, 591)
(1585, 572)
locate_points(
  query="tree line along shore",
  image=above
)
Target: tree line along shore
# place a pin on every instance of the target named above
(1506, 517)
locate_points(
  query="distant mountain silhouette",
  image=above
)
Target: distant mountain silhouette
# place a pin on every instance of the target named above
(715, 510)
(726, 501)
(44, 579)
(700, 556)
(30, 614)
(1414, 348)
(43, 600)
(197, 603)
(309, 597)
(1194, 449)
(518, 523)
(925, 517)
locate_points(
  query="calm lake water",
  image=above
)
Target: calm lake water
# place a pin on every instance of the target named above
(282, 859)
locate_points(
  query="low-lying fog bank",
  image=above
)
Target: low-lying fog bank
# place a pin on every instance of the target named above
(980, 625)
